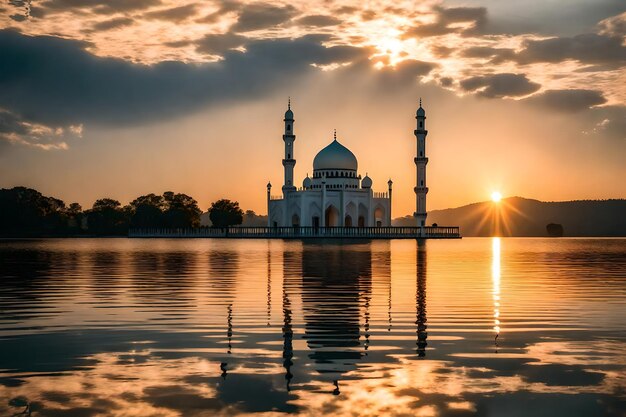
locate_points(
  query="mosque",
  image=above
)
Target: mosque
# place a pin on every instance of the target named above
(337, 195)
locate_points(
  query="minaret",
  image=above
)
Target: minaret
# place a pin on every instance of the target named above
(269, 198)
(390, 184)
(289, 161)
(420, 162)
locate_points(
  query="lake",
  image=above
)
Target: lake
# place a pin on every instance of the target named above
(208, 327)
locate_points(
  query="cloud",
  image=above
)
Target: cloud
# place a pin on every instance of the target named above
(114, 23)
(174, 14)
(16, 131)
(587, 48)
(447, 20)
(100, 7)
(609, 121)
(318, 20)
(568, 100)
(500, 85)
(55, 82)
(261, 16)
(614, 26)
(217, 44)
(496, 55)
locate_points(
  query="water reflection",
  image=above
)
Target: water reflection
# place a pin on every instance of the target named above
(420, 300)
(495, 277)
(334, 283)
(203, 327)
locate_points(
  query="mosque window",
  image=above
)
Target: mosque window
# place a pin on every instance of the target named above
(421, 124)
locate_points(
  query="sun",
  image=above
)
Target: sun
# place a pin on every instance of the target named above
(496, 196)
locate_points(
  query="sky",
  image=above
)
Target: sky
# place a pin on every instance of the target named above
(124, 98)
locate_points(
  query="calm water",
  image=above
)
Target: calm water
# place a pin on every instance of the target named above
(510, 327)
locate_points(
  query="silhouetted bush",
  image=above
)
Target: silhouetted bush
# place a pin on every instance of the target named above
(554, 230)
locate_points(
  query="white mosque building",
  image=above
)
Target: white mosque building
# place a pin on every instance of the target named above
(337, 195)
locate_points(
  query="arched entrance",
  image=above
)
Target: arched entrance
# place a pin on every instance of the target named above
(332, 216)
(295, 220)
(379, 214)
(348, 221)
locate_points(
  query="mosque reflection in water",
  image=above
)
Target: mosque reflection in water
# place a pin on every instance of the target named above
(334, 284)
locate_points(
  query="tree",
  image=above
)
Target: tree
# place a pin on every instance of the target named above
(181, 211)
(26, 212)
(108, 217)
(74, 213)
(147, 211)
(224, 213)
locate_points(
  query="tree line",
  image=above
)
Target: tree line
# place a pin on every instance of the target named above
(26, 212)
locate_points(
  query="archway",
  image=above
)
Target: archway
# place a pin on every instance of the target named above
(348, 221)
(276, 218)
(379, 216)
(363, 214)
(332, 216)
(295, 220)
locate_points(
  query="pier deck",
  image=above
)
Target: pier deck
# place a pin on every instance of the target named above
(298, 232)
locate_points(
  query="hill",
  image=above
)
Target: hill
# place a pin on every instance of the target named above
(519, 216)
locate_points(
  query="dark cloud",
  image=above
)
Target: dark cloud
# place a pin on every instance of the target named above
(413, 67)
(112, 23)
(441, 51)
(217, 44)
(225, 6)
(500, 85)
(446, 17)
(56, 82)
(261, 16)
(496, 55)
(568, 100)
(174, 14)
(318, 20)
(97, 6)
(588, 48)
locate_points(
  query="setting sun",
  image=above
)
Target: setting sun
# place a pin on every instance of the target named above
(496, 197)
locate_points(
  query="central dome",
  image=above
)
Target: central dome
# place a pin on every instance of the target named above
(335, 156)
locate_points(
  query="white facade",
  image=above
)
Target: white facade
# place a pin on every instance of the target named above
(335, 196)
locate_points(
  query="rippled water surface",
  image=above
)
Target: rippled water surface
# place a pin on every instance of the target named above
(491, 327)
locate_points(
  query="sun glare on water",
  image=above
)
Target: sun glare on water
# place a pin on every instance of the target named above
(496, 196)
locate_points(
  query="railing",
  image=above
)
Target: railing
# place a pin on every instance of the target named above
(380, 195)
(299, 232)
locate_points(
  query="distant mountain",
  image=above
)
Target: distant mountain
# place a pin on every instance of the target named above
(519, 216)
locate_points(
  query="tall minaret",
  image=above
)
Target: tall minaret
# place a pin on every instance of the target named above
(289, 162)
(420, 162)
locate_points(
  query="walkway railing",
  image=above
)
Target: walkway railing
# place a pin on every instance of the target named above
(300, 232)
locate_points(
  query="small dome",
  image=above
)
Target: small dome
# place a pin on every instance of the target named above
(335, 156)
(421, 112)
(307, 182)
(289, 115)
(366, 182)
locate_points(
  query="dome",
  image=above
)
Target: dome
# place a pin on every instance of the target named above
(421, 112)
(366, 182)
(335, 156)
(307, 182)
(289, 115)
